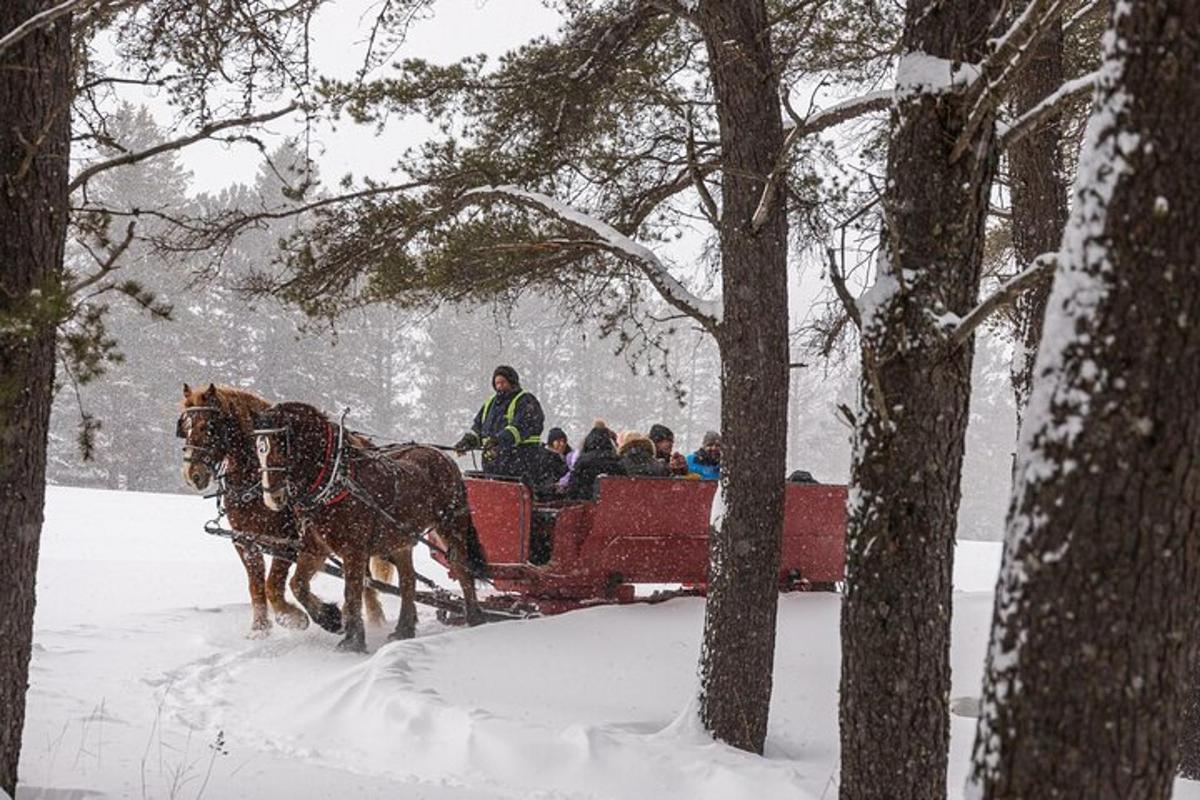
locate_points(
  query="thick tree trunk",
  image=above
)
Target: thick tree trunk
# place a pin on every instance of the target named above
(35, 84)
(739, 626)
(910, 432)
(1039, 199)
(1089, 663)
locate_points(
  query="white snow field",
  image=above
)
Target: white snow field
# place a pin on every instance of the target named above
(144, 685)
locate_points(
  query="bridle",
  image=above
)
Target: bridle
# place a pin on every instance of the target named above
(210, 457)
(328, 487)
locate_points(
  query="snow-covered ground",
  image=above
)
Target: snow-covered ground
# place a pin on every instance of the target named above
(143, 685)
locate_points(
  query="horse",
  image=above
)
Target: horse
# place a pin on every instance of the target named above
(358, 501)
(215, 424)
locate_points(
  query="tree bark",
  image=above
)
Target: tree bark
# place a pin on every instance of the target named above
(1092, 638)
(910, 430)
(738, 653)
(35, 80)
(1039, 199)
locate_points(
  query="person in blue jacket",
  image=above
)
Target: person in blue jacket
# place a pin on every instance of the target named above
(508, 428)
(706, 462)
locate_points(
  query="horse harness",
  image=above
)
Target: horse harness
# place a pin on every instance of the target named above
(214, 457)
(337, 481)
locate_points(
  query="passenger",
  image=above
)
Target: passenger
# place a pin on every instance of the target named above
(599, 458)
(664, 450)
(637, 454)
(508, 429)
(553, 470)
(706, 462)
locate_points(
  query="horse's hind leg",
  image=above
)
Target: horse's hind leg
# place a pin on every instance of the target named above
(457, 552)
(354, 568)
(327, 615)
(381, 571)
(406, 624)
(252, 560)
(286, 614)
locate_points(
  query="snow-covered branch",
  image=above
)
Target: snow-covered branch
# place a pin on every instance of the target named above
(1086, 10)
(41, 20)
(706, 312)
(1049, 107)
(815, 123)
(176, 144)
(1006, 294)
(1010, 53)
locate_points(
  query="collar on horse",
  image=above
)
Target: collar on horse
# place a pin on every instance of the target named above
(332, 482)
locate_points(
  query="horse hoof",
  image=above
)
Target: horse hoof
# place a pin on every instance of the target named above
(400, 636)
(294, 619)
(352, 644)
(329, 618)
(258, 633)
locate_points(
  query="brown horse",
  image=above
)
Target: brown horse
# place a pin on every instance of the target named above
(358, 501)
(215, 424)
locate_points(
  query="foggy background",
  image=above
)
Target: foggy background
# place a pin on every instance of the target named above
(421, 375)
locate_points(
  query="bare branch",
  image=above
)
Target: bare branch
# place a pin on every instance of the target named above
(1049, 107)
(106, 265)
(706, 199)
(843, 292)
(706, 312)
(822, 120)
(176, 144)
(1006, 294)
(1011, 52)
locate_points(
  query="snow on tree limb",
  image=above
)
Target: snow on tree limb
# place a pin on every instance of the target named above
(176, 144)
(1052, 105)
(1003, 296)
(1087, 10)
(41, 20)
(706, 312)
(815, 123)
(1010, 53)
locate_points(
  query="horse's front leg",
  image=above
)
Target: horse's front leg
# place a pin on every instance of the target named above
(406, 625)
(286, 614)
(252, 560)
(327, 615)
(354, 567)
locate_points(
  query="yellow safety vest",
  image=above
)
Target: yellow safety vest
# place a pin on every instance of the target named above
(509, 413)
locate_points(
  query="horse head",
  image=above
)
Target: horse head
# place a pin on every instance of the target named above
(207, 430)
(294, 443)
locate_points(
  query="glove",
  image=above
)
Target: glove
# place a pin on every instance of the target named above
(491, 449)
(464, 444)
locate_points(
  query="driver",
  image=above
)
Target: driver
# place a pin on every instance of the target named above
(508, 428)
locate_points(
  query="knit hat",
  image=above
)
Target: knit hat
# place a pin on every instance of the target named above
(712, 437)
(509, 374)
(556, 434)
(660, 432)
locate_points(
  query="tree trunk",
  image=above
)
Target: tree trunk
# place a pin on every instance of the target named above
(35, 79)
(1089, 663)
(1039, 200)
(738, 653)
(910, 430)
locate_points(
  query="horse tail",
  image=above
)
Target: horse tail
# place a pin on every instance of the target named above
(476, 558)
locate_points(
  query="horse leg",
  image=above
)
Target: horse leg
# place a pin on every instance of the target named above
(382, 571)
(457, 552)
(252, 560)
(406, 625)
(286, 614)
(354, 568)
(327, 615)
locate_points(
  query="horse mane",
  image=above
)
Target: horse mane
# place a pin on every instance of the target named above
(241, 404)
